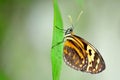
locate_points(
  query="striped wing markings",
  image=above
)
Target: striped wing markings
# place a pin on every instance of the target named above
(96, 63)
(75, 46)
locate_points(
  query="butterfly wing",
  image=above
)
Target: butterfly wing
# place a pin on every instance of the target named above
(81, 55)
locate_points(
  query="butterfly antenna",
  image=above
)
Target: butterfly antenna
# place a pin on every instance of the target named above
(79, 16)
(71, 21)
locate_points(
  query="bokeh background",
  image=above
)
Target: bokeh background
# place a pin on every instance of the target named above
(26, 36)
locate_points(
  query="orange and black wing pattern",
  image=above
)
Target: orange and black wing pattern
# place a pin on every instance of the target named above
(81, 55)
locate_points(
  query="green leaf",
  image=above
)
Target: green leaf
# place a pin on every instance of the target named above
(57, 51)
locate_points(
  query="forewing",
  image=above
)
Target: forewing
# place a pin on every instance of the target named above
(73, 54)
(81, 55)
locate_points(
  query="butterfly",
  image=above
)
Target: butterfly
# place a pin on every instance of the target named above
(80, 55)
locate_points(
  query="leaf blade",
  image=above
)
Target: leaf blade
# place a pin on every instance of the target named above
(56, 52)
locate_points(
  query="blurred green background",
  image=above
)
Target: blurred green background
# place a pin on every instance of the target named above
(26, 36)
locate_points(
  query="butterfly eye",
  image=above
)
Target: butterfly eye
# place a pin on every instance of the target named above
(71, 30)
(68, 31)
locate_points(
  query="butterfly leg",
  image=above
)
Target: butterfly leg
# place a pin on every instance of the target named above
(58, 43)
(59, 28)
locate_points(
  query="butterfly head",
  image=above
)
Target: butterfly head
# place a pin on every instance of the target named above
(69, 31)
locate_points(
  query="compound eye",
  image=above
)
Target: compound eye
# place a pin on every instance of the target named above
(70, 30)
